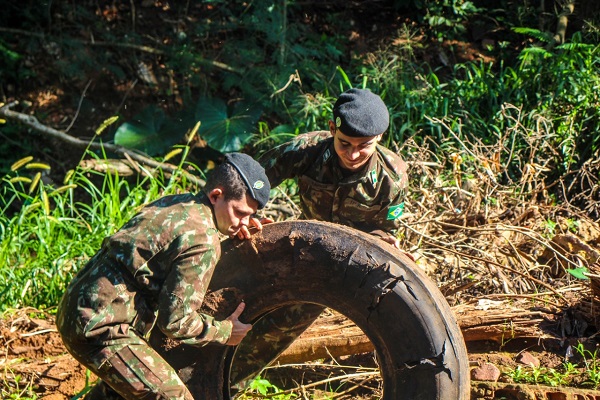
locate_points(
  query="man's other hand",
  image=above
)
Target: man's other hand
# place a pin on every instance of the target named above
(240, 329)
(396, 243)
(254, 226)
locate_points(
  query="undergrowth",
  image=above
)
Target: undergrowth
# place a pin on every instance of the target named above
(585, 372)
(49, 232)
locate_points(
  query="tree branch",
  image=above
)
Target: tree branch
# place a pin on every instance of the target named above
(563, 20)
(33, 123)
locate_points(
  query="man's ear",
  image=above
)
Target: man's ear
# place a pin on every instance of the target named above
(214, 195)
(331, 127)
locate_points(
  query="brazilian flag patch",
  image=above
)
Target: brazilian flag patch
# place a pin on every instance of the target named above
(395, 212)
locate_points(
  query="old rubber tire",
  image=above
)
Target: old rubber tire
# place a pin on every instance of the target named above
(420, 348)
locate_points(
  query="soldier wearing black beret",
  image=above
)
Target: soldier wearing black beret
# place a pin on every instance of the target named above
(155, 271)
(345, 176)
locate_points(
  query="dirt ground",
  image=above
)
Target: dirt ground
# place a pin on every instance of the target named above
(32, 352)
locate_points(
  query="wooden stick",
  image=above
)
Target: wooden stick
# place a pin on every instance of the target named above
(33, 123)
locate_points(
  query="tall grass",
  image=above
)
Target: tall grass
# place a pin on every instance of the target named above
(49, 232)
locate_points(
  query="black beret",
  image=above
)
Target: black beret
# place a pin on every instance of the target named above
(360, 112)
(253, 175)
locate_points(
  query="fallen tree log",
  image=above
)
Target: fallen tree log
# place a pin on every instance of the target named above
(333, 335)
(499, 321)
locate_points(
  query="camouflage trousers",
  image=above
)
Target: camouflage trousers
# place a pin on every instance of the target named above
(133, 371)
(268, 338)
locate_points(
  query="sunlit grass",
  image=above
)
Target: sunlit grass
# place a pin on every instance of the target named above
(586, 372)
(49, 232)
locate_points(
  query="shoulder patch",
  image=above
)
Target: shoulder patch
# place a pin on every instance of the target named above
(395, 212)
(326, 155)
(373, 175)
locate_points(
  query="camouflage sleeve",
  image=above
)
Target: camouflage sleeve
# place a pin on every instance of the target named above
(182, 295)
(290, 159)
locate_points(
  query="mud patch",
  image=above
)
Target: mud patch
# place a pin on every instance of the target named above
(34, 359)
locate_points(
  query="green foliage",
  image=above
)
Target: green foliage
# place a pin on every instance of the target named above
(447, 18)
(47, 233)
(226, 129)
(9, 56)
(587, 370)
(265, 45)
(545, 93)
(264, 388)
(592, 365)
(12, 143)
(543, 375)
(564, 82)
(312, 112)
(579, 273)
(545, 37)
(443, 19)
(16, 388)
(151, 132)
(251, 51)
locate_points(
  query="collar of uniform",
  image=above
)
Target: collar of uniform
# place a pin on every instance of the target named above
(203, 198)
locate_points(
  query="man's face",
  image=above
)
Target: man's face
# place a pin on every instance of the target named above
(230, 214)
(353, 152)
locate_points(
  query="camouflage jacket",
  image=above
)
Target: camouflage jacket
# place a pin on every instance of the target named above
(370, 200)
(154, 270)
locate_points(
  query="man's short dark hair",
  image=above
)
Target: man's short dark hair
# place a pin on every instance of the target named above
(226, 176)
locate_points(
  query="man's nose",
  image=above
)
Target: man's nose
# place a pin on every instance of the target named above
(353, 154)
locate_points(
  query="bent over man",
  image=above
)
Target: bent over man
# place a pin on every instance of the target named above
(344, 176)
(155, 271)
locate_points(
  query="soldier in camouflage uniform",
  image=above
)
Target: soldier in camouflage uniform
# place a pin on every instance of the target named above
(344, 176)
(155, 271)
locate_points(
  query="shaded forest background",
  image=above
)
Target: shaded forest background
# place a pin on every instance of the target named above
(256, 72)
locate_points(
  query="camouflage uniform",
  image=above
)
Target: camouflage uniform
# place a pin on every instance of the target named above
(370, 200)
(154, 270)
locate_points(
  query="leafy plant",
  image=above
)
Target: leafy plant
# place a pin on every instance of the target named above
(265, 389)
(13, 386)
(592, 364)
(579, 273)
(447, 18)
(543, 375)
(567, 373)
(224, 128)
(151, 131)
